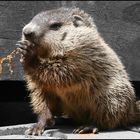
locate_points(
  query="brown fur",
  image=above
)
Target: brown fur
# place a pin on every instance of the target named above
(74, 72)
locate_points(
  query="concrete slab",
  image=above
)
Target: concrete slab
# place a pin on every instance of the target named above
(62, 132)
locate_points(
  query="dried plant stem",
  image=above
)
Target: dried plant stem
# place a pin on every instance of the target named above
(9, 59)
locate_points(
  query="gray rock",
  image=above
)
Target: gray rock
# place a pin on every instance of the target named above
(64, 132)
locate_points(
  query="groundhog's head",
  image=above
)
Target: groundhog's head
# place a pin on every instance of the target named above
(54, 32)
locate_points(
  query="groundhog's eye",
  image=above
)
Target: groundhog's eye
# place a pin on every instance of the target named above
(55, 26)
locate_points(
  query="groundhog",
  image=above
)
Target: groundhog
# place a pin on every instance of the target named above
(70, 70)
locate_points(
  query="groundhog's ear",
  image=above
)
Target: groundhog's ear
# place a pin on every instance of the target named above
(78, 21)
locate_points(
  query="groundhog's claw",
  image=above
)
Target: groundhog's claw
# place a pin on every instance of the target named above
(24, 45)
(86, 129)
(36, 129)
(25, 48)
(25, 42)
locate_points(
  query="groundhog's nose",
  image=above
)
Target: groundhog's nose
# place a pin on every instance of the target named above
(29, 32)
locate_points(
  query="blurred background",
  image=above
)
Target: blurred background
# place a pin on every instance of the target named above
(117, 21)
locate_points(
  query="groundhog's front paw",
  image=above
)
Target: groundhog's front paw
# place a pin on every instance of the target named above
(26, 49)
(36, 129)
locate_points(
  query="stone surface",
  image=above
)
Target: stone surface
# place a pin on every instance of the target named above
(17, 132)
(117, 21)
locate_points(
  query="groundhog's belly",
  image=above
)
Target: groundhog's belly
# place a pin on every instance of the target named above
(81, 114)
(86, 109)
(80, 103)
(76, 104)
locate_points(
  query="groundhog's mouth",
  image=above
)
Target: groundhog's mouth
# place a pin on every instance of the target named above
(30, 40)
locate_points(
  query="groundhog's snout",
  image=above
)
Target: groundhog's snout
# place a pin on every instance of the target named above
(29, 35)
(30, 32)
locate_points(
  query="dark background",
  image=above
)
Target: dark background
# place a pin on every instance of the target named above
(118, 22)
